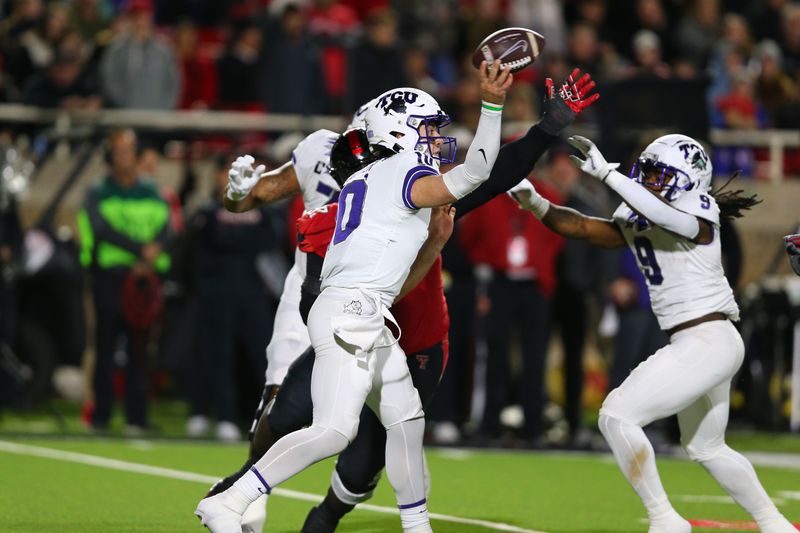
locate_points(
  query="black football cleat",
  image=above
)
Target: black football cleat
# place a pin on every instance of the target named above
(319, 521)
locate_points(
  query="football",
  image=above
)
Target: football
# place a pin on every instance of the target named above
(516, 47)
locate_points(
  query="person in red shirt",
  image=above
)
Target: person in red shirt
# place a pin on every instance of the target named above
(519, 254)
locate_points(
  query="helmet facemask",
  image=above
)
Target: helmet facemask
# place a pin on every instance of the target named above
(663, 179)
(441, 148)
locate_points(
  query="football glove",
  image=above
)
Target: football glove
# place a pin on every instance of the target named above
(792, 245)
(242, 177)
(562, 107)
(594, 164)
(528, 199)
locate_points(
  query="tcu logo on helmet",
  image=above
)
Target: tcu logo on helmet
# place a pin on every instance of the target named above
(695, 155)
(396, 101)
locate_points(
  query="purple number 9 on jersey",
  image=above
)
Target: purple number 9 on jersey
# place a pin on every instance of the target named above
(351, 206)
(647, 260)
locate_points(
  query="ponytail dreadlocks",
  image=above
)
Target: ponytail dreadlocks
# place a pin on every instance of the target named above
(732, 203)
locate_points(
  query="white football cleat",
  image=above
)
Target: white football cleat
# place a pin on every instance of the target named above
(218, 517)
(669, 523)
(255, 516)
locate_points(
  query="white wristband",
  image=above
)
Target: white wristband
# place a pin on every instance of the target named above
(490, 108)
(525, 194)
(539, 205)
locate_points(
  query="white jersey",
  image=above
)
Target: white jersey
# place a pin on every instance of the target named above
(378, 229)
(685, 279)
(311, 166)
(290, 336)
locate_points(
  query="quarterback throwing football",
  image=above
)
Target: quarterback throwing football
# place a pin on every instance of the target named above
(381, 223)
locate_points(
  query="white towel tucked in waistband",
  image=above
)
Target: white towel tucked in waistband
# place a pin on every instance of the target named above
(360, 327)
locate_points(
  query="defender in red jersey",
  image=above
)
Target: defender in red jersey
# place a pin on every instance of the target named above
(421, 312)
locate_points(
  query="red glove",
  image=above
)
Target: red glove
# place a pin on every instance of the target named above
(560, 109)
(574, 93)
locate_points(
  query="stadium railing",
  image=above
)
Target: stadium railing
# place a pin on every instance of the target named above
(775, 140)
(230, 121)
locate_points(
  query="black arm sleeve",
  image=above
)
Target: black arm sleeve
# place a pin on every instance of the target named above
(103, 230)
(514, 162)
(311, 285)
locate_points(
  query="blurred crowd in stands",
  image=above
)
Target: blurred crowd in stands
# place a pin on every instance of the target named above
(328, 57)
(511, 284)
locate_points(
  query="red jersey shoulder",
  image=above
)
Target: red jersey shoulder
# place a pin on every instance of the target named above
(315, 229)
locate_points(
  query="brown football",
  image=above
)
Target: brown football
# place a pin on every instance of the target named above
(517, 47)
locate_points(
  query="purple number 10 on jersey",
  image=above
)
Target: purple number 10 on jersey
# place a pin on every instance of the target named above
(351, 206)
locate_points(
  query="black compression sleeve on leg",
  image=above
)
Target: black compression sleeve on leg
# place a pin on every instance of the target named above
(514, 162)
(311, 285)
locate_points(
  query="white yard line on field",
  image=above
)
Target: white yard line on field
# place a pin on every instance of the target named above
(785, 461)
(125, 466)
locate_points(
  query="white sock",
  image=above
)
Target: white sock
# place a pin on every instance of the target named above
(424, 528)
(414, 517)
(636, 459)
(251, 485)
(238, 499)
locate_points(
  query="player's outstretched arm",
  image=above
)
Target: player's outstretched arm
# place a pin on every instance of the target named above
(432, 191)
(251, 188)
(565, 221)
(516, 159)
(440, 229)
(652, 207)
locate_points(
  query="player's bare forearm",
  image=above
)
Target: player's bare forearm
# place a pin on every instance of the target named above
(575, 225)
(430, 191)
(440, 229)
(245, 204)
(273, 186)
(419, 269)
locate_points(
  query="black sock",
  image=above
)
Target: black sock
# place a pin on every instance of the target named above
(333, 507)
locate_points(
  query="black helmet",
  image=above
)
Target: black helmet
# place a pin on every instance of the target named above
(349, 154)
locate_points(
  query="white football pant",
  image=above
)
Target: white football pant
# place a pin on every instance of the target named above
(341, 384)
(690, 377)
(289, 334)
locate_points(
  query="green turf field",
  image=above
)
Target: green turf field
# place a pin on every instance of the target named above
(550, 492)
